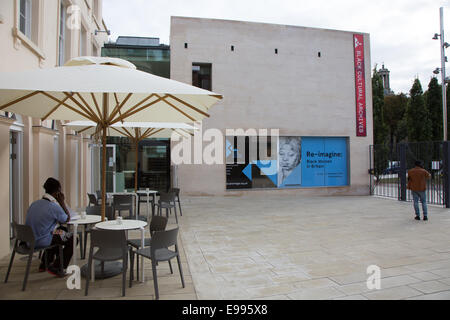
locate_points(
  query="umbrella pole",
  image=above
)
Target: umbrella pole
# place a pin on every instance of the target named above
(104, 128)
(104, 174)
(136, 172)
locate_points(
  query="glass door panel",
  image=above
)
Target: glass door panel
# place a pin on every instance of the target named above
(154, 169)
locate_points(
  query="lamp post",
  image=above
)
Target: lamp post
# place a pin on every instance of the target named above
(444, 45)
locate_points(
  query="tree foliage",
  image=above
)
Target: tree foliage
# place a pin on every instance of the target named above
(418, 121)
(379, 126)
(394, 113)
(433, 100)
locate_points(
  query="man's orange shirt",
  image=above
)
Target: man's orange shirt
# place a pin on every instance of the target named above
(417, 179)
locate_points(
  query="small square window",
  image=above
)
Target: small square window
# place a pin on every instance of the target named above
(201, 75)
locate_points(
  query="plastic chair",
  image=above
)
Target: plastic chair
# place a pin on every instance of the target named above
(159, 250)
(92, 199)
(25, 245)
(177, 195)
(112, 246)
(95, 211)
(157, 224)
(98, 194)
(167, 201)
(123, 202)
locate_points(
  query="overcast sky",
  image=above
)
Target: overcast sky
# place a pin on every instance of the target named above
(400, 30)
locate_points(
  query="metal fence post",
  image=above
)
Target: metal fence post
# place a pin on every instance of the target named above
(370, 170)
(402, 173)
(446, 172)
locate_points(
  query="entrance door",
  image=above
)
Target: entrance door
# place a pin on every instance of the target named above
(15, 176)
(154, 164)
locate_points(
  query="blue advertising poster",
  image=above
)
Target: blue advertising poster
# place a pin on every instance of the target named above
(324, 162)
(297, 162)
(289, 162)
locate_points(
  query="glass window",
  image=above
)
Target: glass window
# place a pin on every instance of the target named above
(62, 31)
(153, 165)
(201, 75)
(25, 17)
(65, 34)
(155, 61)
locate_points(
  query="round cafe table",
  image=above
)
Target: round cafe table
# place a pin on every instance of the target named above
(88, 219)
(114, 267)
(147, 193)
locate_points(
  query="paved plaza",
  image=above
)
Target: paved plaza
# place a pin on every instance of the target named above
(283, 247)
(298, 247)
(48, 287)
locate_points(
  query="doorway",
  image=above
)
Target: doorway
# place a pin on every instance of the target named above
(154, 164)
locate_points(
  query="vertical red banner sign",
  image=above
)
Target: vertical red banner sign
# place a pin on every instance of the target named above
(360, 85)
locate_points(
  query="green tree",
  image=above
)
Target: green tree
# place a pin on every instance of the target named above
(379, 127)
(418, 121)
(434, 105)
(394, 111)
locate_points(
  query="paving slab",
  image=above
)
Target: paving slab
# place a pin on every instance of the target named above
(283, 247)
(318, 246)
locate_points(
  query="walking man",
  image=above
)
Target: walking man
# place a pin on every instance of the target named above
(417, 183)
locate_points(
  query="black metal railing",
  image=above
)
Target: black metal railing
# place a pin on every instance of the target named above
(389, 166)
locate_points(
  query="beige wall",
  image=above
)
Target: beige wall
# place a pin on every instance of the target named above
(4, 185)
(43, 162)
(72, 175)
(294, 91)
(41, 50)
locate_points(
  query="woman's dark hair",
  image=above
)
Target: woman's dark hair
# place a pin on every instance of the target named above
(418, 163)
(52, 185)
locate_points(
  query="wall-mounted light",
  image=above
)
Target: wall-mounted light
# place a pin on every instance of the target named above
(437, 70)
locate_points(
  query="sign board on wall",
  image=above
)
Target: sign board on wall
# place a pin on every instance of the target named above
(360, 85)
(325, 162)
(298, 162)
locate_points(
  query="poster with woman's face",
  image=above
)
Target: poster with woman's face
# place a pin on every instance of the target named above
(289, 162)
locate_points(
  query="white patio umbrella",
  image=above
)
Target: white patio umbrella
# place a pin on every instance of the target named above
(135, 131)
(103, 90)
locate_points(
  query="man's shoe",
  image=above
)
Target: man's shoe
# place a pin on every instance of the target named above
(55, 271)
(425, 218)
(417, 218)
